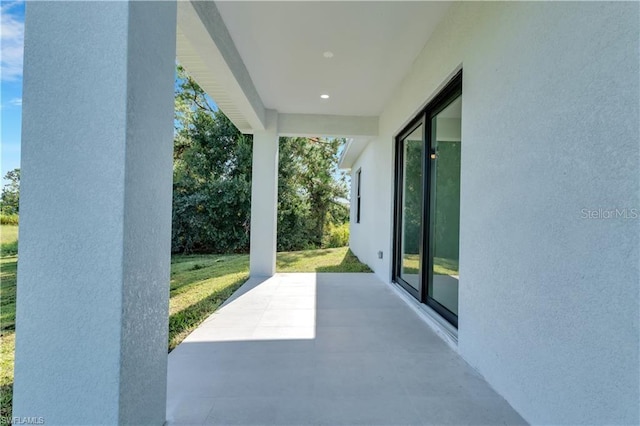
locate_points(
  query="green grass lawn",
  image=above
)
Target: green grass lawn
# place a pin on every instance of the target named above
(199, 285)
(441, 265)
(8, 239)
(325, 260)
(8, 266)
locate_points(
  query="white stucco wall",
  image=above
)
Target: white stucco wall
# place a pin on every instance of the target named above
(360, 233)
(373, 233)
(549, 302)
(95, 213)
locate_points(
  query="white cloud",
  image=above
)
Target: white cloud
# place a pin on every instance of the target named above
(12, 41)
(16, 101)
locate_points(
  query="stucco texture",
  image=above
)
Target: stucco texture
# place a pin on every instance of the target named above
(548, 300)
(95, 213)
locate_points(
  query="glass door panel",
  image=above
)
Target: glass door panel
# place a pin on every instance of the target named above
(411, 209)
(445, 207)
(427, 203)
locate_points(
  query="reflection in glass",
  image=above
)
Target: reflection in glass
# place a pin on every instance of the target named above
(445, 142)
(411, 207)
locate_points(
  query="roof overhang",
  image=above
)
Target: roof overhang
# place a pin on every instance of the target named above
(351, 152)
(253, 57)
(206, 50)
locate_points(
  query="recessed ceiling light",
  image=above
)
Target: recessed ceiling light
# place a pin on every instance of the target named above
(324, 96)
(328, 54)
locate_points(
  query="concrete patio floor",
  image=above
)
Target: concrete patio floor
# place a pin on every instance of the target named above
(299, 349)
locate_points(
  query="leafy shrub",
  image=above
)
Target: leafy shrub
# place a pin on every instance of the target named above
(10, 197)
(9, 249)
(9, 219)
(336, 236)
(212, 216)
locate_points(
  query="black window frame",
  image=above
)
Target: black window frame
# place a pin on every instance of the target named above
(398, 203)
(358, 193)
(451, 91)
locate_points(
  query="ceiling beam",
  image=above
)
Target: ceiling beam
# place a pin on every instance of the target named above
(205, 48)
(326, 125)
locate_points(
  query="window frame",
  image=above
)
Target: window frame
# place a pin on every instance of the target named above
(358, 194)
(445, 96)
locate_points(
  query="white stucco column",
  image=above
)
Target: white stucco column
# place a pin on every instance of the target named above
(264, 198)
(95, 212)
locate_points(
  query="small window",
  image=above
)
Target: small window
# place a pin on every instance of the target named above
(358, 173)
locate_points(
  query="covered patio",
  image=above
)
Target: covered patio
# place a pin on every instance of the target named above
(546, 307)
(307, 348)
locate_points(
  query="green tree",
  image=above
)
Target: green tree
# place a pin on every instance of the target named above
(293, 204)
(9, 200)
(212, 176)
(310, 188)
(212, 181)
(319, 161)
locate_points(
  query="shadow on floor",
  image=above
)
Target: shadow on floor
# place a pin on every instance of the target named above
(299, 349)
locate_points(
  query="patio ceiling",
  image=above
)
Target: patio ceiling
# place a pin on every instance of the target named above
(254, 56)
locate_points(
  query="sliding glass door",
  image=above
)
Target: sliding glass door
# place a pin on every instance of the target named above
(427, 212)
(444, 232)
(411, 208)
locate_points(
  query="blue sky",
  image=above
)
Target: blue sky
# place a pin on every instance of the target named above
(12, 32)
